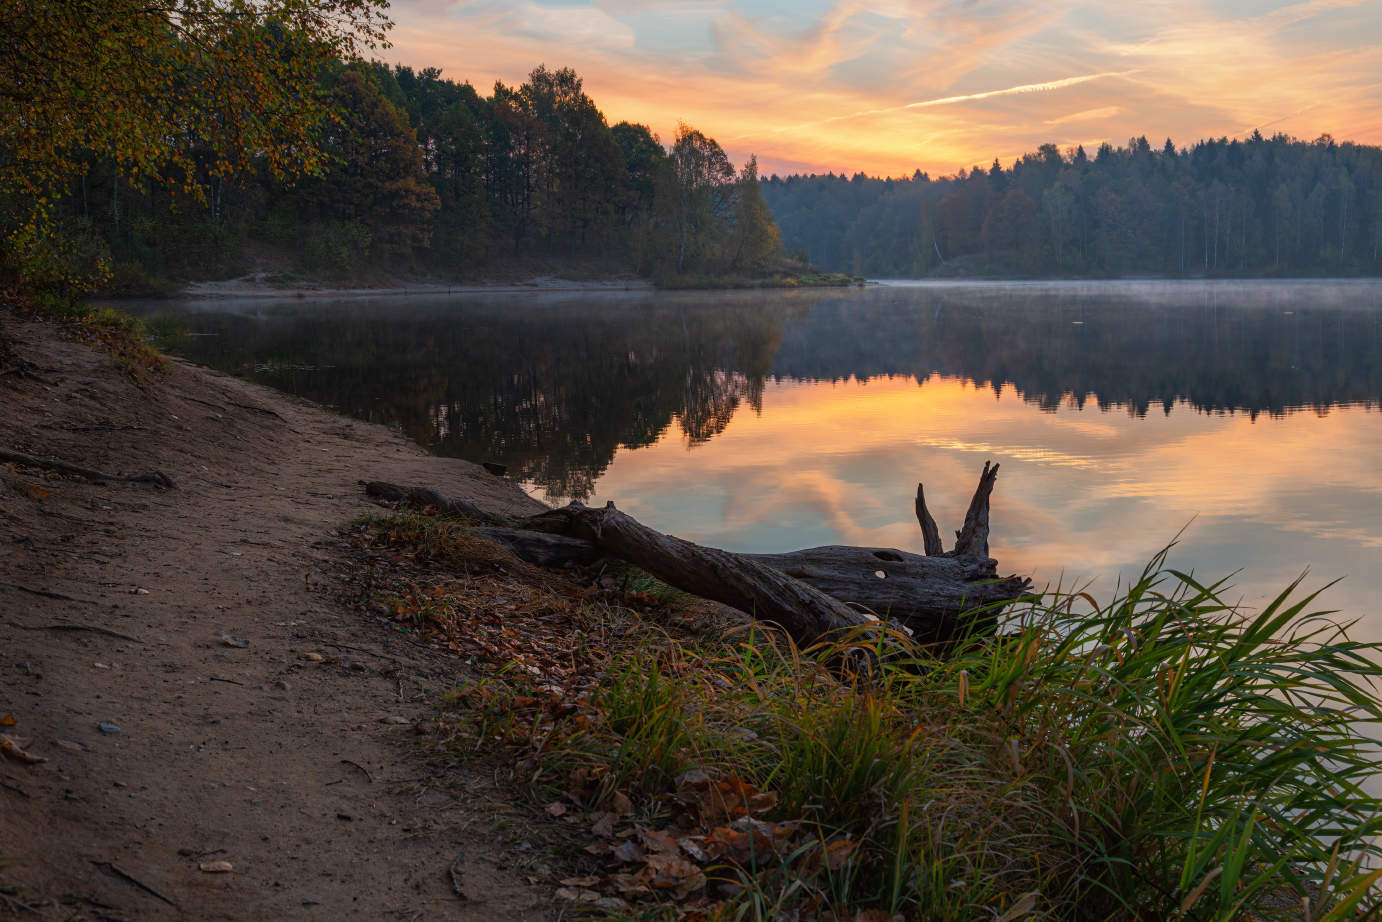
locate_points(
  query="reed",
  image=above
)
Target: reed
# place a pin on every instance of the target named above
(1161, 755)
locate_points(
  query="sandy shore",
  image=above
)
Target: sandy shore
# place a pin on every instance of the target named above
(249, 711)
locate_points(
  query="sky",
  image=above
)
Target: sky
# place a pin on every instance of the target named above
(938, 85)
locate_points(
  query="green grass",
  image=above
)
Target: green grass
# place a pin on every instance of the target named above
(121, 335)
(1162, 755)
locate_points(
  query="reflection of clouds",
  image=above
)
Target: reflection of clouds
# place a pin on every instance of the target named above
(1084, 494)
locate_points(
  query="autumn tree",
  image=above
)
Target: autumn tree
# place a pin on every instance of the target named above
(694, 199)
(171, 91)
(754, 240)
(373, 201)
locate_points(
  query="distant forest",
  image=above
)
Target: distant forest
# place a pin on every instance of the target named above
(423, 174)
(1258, 207)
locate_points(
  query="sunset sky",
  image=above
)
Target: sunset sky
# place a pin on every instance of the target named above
(893, 86)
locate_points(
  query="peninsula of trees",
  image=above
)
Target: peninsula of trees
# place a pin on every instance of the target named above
(1256, 207)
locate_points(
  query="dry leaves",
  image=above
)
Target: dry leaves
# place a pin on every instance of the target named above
(17, 749)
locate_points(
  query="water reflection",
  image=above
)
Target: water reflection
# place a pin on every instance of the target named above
(769, 420)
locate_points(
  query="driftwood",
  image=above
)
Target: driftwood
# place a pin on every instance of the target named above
(930, 534)
(157, 478)
(809, 592)
(736, 580)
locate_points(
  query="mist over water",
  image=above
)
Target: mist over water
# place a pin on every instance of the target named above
(1121, 412)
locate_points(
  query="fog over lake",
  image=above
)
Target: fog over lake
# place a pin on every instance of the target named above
(1246, 414)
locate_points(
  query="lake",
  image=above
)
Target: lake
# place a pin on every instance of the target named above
(1242, 416)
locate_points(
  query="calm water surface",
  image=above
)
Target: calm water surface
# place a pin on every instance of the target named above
(1122, 413)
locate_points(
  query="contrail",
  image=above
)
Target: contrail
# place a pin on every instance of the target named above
(1014, 90)
(969, 97)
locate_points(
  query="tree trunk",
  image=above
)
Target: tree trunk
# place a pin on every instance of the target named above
(736, 580)
(810, 593)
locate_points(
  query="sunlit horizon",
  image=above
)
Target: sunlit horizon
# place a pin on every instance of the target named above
(890, 88)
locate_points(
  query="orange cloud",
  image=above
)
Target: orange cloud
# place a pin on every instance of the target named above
(890, 87)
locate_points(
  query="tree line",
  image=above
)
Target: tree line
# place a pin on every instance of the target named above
(422, 174)
(1255, 207)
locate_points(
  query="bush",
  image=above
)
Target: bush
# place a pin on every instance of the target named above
(337, 247)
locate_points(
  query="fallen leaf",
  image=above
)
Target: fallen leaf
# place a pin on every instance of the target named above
(39, 491)
(312, 657)
(763, 802)
(8, 721)
(675, 874)
(621, 804)
(873, 915)
(575, 895)
(692, 846)
(603, 825)
(629, 851)
(15, 749)
(216, 867)
(556, 808)
(592, 881)
(837, 853)
(658, 841)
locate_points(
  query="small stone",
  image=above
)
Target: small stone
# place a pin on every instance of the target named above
(216, 867)
(313, 657)
(106, 726)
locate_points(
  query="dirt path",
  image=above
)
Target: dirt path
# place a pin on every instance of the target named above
(299, 773)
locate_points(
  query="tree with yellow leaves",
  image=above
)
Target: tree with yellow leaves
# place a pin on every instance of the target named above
(172, 91)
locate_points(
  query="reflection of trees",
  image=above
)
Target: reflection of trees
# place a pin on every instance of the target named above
(1136, 354)
(554, 390)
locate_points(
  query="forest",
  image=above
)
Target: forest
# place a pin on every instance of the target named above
(1256, 207)
(421, 174)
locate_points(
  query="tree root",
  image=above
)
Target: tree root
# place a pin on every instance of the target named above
(157, 478)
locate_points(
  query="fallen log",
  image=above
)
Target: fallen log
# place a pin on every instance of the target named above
(157, 478)
(809, 592)
(737, 580)
(938, 598)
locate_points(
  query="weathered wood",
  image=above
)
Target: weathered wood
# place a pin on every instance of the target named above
(972, 540)
(736, 580)
(543, 549)
(928, 595)
(930, 534)
(931, 596)
(157, 478)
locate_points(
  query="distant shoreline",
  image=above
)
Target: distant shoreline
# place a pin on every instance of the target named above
(259, 286)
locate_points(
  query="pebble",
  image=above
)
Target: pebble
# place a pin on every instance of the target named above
(106, 726)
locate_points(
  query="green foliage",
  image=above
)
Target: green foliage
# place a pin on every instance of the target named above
(1256, 206)
(176, 95)
(409, 171)
(336, 247)
(1163, 755)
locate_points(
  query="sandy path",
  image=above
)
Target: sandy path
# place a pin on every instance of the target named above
(223, 753)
